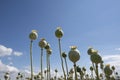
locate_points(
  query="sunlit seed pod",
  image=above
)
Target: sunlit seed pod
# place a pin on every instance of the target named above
(96, 58)
(64, 55)
(6, 76)
(107, 70)
(49, 51)
(47, 46)
(42, 43)
(90, 51)
(33, 35)
(74, 54)
(59, 32)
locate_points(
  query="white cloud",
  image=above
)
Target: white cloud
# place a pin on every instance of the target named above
(17, 53)
(7, 68)
(4, 51)
(113, 60)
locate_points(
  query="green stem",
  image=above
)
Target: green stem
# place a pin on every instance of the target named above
(31, 60)
(61, 59)
(97, 73)
(75, 71)
(41, 63)
(66, 66)
(47, 65)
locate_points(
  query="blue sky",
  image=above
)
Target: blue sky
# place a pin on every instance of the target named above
(84, 22)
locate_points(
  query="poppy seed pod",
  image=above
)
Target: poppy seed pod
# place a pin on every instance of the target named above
(91, 51)
(91, 68)
(33, 35)
(64, 55)
(107, 70)
(59, 32)
(78, 69)
(49, 51)
(95, 58)
(42, 43)
(74, 54)
(47, 46)
(113, 68)
(6, 76)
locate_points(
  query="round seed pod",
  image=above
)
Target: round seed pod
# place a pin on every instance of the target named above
(91, 68)
(64, 55)
(6, 76)
(59, 32)
(95, 58)
(107, 70)
(42, 43)
(49, 51)
(47, 46)
(78, 69)
(84, 69)
(113, 68)
(74, 54)
(33, 35)
(91, 51)
(56, 70)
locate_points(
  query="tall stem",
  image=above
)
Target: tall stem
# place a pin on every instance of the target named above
(31, 60)
(97, 73)
(61, 59)
(75, 71)
(66, 66)
(47, 65)
(41, 63)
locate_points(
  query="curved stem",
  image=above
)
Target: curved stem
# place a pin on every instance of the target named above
(41, 64)
(31, 60)
(61, 59)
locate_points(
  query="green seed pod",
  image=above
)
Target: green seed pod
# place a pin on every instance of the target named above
(42, 43)
(78, 69)
(64, 55)
(91, 68)
(49, 51)
(74, 54)
(33, 35)
(59, 32)
(107, 70)
(84, 69)
(47, 46)
(95, 58)
(113, 68)
(91, 51)
(56, 70)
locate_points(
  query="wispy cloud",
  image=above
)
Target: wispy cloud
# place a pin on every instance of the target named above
(113, 60)
(4, 51)
(16, 53)
(117, 49)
